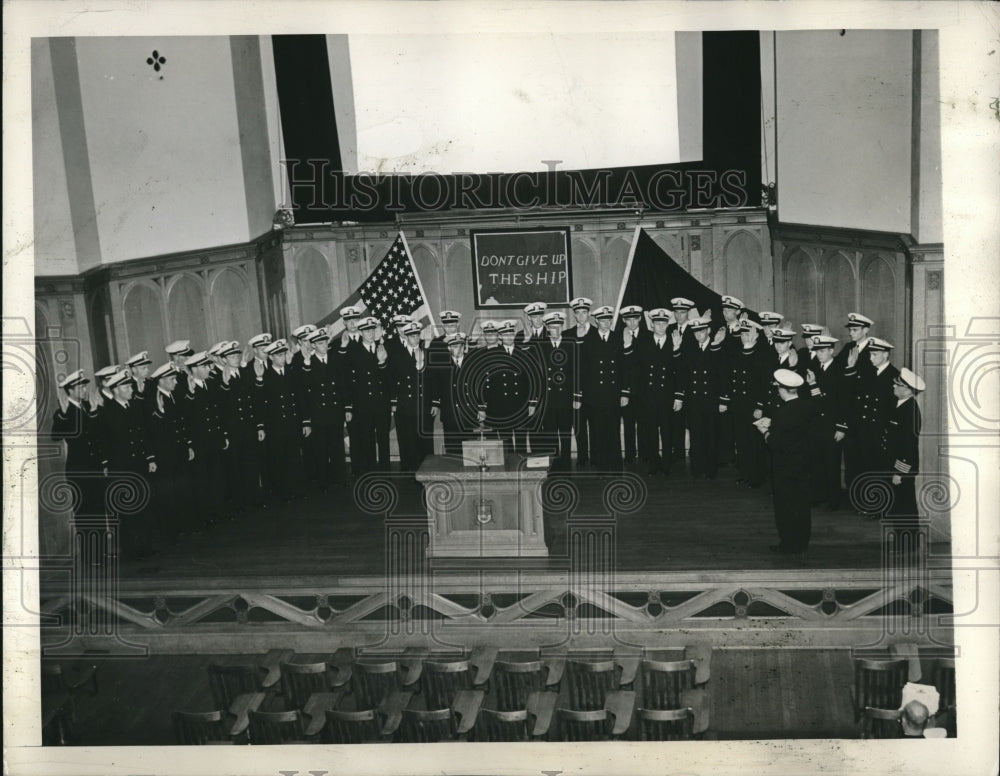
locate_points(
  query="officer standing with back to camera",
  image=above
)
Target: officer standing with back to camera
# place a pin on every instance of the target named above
(788, 433)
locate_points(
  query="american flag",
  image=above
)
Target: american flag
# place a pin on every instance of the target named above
(392, 288)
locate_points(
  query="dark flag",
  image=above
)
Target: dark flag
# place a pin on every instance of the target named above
(652, 279)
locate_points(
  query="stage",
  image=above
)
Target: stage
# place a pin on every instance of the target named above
(635, 559)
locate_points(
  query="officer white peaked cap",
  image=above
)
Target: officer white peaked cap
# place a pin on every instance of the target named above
(536, 308)
(581, 301)
(604, 312)
(276, 347)
(811, 328)
(107, 371)
(118, 378)
(450, 316)
(631, 311)
(783, 334)
(680, 303)
(350, 312)
(732, 301)
(913, 380)
(317, 336)
(179, 347)
(228, 348)
(368, 323)
(260, 340)
(819, 341)
(700, 323)
(554, 317)
(787, 378)
(488, 326)
(164, 370)
(413, 327)
(879, 344)
(74, 379)
(456, 338)
(659, 314)
(139, 359)
(303, 330)
(201, 357)
(506, 327)
(769, 317)
(857, 319)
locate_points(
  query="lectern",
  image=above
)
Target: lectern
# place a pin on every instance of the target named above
(484, 511)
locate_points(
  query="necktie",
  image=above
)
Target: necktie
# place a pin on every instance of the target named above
(604, 337)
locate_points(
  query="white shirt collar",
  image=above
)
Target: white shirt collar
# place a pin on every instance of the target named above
(75, 403)
(880, 369)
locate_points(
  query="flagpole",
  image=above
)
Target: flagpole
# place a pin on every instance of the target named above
(628, 269)
(420, 285)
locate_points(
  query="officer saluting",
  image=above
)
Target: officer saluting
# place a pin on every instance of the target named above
(368, 401)
(283, 427)
(411, 399)
(534, 334)
(178, 352)
(603, 391)
(73, 424)
(352, 335)
(325, 381)
(631, 316)
(828, 390)
(789, 436)
(581, 333)
(511, 390)
(680, 331)
(855, 354)
(138, 367)
(454, 397)
(170, 442)
(238, 405)
(870, 405)
(806, 355)
(657, 388)
(557, 360)
(705, 389)
(126, 453)
(208, 437)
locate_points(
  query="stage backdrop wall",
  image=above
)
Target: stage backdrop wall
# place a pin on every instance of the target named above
(729, 251)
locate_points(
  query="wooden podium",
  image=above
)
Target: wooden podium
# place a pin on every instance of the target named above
(483, 511)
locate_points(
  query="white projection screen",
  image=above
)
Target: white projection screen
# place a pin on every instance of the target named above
(450, 103)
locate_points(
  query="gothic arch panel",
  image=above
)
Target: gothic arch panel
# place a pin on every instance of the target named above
(458, 293)
(142, 307)
(231, 306)
(878, 299)
(839, 292)
(613, 260)
(801, 289)
(186, 318)
(426, 263)
(314, 286)
(742, 262)
(585, 277)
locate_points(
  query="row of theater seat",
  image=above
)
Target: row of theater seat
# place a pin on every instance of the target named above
(419, 696)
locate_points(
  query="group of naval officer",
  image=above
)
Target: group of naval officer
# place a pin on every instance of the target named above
(215, 432)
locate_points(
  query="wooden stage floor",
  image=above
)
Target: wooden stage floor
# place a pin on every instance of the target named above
(682, 525)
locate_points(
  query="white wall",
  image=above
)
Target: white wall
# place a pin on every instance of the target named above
(844, 128)
(55, 248)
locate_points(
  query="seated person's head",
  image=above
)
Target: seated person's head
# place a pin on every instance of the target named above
(914, 718)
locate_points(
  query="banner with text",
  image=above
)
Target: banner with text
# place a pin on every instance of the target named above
(513, 267)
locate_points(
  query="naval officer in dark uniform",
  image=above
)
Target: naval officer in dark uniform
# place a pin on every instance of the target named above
(324, 396)
(557, 359)
(789, 434)
(411, 395)
(74, 424)
(902, 458)
(581, 333)
(631, 316)
(511, 390)
(705, 385)
(603, 391)
(453, 395)
(280, 413)
(368, 401)
(238, 397)
(827, 390)
(170, 441)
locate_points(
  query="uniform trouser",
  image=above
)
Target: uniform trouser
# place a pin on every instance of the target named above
(243, 470)
(369, 430)
(327, 438)
(129, 495)
(725, 448)
(751, 452)
(792, 513)
(582, 422)
(209, 479)
(605, 439)
(826, 469)
(678, 426)
(283, 462)
(557, 424)
(412, 435)
(171, 487)
(656, 418)
(526, 429)
(863, 455)
(703, 423)
(629, 421)
(902, 517)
